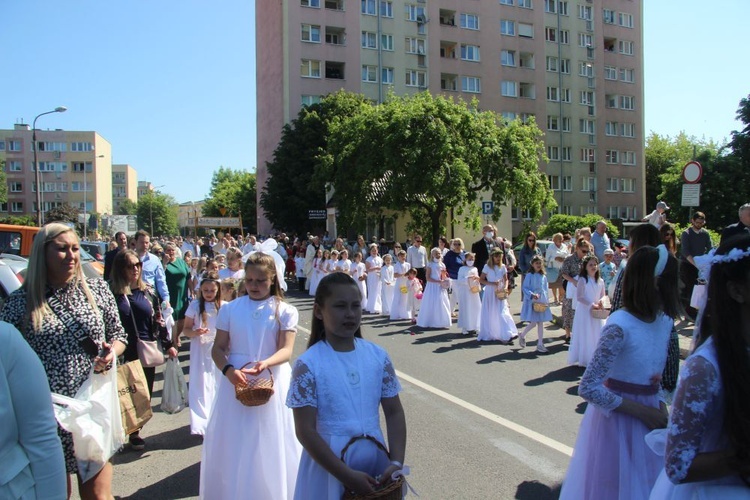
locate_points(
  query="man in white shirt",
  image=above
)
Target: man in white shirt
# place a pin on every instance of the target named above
(310, 252)
(251, 244)
(416, 256)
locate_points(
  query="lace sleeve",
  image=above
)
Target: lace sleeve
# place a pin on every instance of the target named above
(617, 294)
(303, 390)
(592, 384)
(391, 385)
(696, 395)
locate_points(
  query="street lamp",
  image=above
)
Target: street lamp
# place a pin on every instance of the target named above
(151, 207)
(39, 212)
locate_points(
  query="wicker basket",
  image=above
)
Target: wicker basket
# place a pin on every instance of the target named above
(391, 491)
(403, 289)
(600, 313)
(257, 391)
(475, 289)
(540, 307)
(501, 294)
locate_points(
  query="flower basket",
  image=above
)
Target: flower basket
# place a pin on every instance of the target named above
(600, 313)
(540, 307)
(390, 491)
(501, 294)
(404, 289)
(257, 391)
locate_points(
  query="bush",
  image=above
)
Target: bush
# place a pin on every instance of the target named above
(569, 223)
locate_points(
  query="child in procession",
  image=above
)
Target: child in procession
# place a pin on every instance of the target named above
(343, 265)
(252, 451)
(387, 284)
(374, 264)
(399, 308)
(338, 386)
(318, 266)
(608, 270)
(435, 311)
(586, 328)
(496, 322)
(200, 326)
(299, 264)
(469, 303)
(228, 290)
(414, 294)
(535, 290)
(359, 274)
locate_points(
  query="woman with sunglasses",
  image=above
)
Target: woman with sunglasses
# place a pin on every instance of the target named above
(668, 237)
(140, 316)
(528, 252)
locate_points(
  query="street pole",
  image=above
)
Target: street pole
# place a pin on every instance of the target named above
(38, 174)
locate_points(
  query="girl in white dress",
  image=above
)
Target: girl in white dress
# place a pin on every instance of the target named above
(343, 265)
(435, 311)
(374, 264)
(469, 303)
(387, 284)
(708, 436)
(358, 272)
(496, 322)
(200, 326)
(621, 385)
(252, 452)
(338, 387)
(586, 328)
(319, 264)
(399, 308)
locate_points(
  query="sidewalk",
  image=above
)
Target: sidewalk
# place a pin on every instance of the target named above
(684, 330)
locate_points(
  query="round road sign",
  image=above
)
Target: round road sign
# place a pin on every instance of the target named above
(692, 172)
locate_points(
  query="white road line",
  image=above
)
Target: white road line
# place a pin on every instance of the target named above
(524, 431)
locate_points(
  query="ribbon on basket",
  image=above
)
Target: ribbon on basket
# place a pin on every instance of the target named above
(403, 472)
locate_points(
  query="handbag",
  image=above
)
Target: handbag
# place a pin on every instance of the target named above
(135, 402)
(150, 352)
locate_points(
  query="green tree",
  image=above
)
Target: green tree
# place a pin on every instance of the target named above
(157, 214)
(426, 154)
(235, 192)
(127, 207)
(295, 183)
(19, 220)
(663, 153)
(65, 213)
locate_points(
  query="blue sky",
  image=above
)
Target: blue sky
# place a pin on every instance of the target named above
(171, 84)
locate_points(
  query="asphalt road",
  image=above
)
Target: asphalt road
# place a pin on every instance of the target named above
(484, 420)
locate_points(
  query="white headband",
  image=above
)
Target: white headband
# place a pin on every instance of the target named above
(662, 262)
(268, 247)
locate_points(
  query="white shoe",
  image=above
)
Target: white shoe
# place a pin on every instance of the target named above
(522, 341)
(541, 348)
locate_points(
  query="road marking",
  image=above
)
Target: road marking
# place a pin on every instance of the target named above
(520, 429)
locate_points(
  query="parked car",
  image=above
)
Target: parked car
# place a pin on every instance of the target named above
(12, 274)
(542, 244)
(97, 249)
(91, 267)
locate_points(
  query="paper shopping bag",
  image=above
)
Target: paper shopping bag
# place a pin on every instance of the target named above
(135, 403)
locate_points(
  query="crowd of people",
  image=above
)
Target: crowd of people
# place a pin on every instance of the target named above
(319, 435)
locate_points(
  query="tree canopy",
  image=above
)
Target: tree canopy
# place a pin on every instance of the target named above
(235, 192)
(157, 213)
(64, 212)
(426, 154)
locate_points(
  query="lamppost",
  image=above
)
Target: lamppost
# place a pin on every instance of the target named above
(151, 207)
(38, 175)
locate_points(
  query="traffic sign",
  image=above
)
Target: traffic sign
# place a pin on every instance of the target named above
(487, 207)
(692, 173)
(219, 221)
(691, 195)
(316, 214)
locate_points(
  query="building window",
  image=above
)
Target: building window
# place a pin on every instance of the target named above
(369, 40)
(589, 184)
(470, 52)
(78, 167)
(628, 157)
(613, 184)
(81, 147)
(14, 145)
(554, 181)
(610, 129)
(526, 4)
(586, 69)
(15, 166)
(386, 42)
(368, 7)
(610, 73)
(386, 8)
(471, 84)
(415, 45)
(508, 57)
(15, 187)
(587, 98)
(553, 153)
(52, 146)
(627, 75)
(508, 89)
(586, 126)
(448, 82)
(612, 156)
(627, 129)
(565, 66)
(526, 30)
(310, 68)
(550, 34)
(386, 75)
(625, 47)
(608, 16)
(553, 123)
(310, 3)
(310, 33)
(470, 21)
(16, 206)
(416, 78)
(507, 27)
(627, 102)
(508, 115)
(585, 12)
(588, 155)
(527, 90)
(564, 37)
(369, 74)
(335, 36)
(585, 40)
(565, 95)
(2, 145)
(625, 20)
(334, 4)
(566, 124)
(506, 2)
(628, 185)
(553, 94)
(610, 101)
(565, 153)
(553, 64)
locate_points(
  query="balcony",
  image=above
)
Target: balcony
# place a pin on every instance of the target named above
(447, 17)
(334, 70)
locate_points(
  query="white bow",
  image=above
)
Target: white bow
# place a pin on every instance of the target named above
(268, 247)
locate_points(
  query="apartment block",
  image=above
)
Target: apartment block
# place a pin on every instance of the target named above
(575, 66)
(75, 167)
(124, 185)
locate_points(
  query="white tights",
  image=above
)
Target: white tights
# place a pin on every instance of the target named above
(539, 329)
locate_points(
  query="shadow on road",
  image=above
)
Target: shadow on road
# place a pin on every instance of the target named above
(534, 490)
(565, 374)
(183, 484)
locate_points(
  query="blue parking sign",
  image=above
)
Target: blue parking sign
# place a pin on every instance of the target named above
(487, 207)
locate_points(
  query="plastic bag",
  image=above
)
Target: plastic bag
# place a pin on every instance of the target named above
(93, 417)
(175, 393)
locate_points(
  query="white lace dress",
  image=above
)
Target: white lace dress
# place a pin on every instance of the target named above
(435, 310)
(469, 303)
(401, 293)
(696, 425)
(346, 389)
(586, 328)
(387, 288)
(611, 459)
(374, 265)
(496, 322)
(204, 375)
(358, 271)
(252, 452)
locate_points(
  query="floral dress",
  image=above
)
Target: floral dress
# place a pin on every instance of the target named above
(64, 359)
(572, 267)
